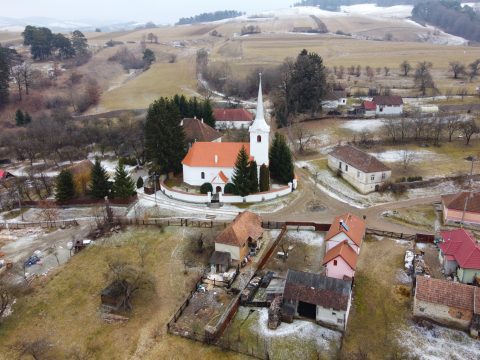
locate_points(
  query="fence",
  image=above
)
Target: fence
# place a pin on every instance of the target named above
(270, 251)
(172, 222)
(42, 224)
(182, 307)
(421, 238)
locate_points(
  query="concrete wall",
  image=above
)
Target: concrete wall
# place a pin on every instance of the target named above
(232, 124)
(264, 196)
(334, 318)
(184, 196)
(362, 181)
(193, 175)
(389, 110)
(340, 270)
(339, 238)
(456, 215)
(466, 276)
(454, 317)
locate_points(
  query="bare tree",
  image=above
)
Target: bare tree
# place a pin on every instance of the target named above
(407, 158)
(48, 211)
(26, 70)
(457, 68)
(6, 298)
(17, 75)
(469, 128)
(405, 67)
(370, 73)
(474, 69)
(423, 78)
(452, 125)
(302, 137)
(386, 69)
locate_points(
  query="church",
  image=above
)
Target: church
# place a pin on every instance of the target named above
(213, 162)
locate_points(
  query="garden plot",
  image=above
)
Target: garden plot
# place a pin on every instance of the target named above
(299, 340)
(438, 343)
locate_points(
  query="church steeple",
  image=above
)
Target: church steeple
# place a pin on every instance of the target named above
(259, 123)
(259, 132)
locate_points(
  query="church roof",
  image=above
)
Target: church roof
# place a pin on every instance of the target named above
(212, 154)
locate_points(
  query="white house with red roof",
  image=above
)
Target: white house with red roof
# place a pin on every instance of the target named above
(232, 118)
(460, 255)
(212, 162)
(348, 229)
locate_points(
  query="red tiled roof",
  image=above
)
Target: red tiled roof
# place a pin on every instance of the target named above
(232, 115)
(345, 252)
(205, 153)
(220, 177)
(444, 292)
(246, 225)
(394, 100)
(356, 228)
(358, 159)
(457, 201)
(462, 246)
(369, 105)
(197, 130)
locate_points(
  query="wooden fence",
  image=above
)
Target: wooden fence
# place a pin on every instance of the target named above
(421, 238)
(182, 307)
(269, 252)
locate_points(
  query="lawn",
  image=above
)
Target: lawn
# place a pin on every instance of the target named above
(64, 307)
(421, 216)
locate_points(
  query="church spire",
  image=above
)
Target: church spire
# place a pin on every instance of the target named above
(259, 122)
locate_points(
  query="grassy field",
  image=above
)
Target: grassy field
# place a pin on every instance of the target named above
(421, 216)
(64, 307)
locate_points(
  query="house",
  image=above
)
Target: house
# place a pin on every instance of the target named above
(196, 130)
(363, 171)
(213, 162)
(459, 254)
(323, 299)
(464, 206)
(334, 99)
(388, 105)
(232, 118)
(220, 261)
(349, 228)
(446, 302)
(5, 174)
(242, 236)
(369, 109)
(340, 261)
(113, 296)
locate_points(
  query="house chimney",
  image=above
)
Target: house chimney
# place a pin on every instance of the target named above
(216, 159)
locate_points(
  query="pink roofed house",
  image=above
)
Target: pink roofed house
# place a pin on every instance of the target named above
(341, 261)
(460, 254)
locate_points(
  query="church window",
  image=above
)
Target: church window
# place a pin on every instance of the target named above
(202, 175)
(259, 138)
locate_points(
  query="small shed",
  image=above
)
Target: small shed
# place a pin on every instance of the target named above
(113, 296)
(220, 261)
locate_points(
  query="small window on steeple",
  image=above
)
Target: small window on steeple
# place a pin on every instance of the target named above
(259, 138)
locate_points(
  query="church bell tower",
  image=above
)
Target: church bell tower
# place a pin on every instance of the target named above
(259, 132)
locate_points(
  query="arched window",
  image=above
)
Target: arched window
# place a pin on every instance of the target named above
(202, 175)
(259, 138)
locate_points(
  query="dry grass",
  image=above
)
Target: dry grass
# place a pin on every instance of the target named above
(419, 216)
(64, 306)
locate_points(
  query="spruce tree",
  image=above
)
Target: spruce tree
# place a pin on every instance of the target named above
(264, 178)
(100, 185)
(281, 163)
(207, 113)
(253, 176)
(165, 142)
(19, 118)
(123, 186)
(4, 76)
(64, 186)
(273, 155)
(240, 176)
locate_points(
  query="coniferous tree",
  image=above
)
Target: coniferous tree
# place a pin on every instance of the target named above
(273, 155)
(99, 187)
(65, 189)
(79, 43)
(207, 114)
(253, 176)
(123, 186)
(19, 118)
(165, 142)
(281, 163)
(240, 177)
(4, 76)
(264, 178)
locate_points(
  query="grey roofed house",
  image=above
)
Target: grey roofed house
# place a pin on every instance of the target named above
(317, 289)
(196, 130)
(359, 159)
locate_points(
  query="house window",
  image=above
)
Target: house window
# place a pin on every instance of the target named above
(339, 321)
(334, 313)
(259, 138)
(202, 175)
(358, 174)
(340, 165)
(383, 176)
(381, 109)
(346, 167)
(334, 262)
(372, 177)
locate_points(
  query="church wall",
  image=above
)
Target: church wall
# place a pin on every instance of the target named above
(192, 175)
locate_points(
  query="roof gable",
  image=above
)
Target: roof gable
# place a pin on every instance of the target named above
(246, 225)
(197, 130)
(462, 246)
(457, 201)
(356, 228)
(358, 159)
(443, 292)
(344, 251)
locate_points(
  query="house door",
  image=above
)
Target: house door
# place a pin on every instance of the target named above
(307, 310)
(218, 189)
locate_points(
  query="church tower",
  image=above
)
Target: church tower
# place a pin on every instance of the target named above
(259, 132)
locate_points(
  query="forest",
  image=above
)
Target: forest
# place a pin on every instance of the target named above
(207, 17)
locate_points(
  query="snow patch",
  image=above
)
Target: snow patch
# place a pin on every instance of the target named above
(308, 237)
(398, 155)
(396, 12)
(363, 125)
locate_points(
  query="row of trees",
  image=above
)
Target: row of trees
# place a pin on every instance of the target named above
(43, 43)
(100, 187)
(208, 17)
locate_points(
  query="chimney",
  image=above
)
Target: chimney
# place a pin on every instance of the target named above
(216, 159)
(340, 224)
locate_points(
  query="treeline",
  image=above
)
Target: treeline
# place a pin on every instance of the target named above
(207, 17)
(449, 16)
(334, 5)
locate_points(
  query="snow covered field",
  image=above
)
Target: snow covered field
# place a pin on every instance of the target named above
(398, 155)
(363, 125)
(397, 11)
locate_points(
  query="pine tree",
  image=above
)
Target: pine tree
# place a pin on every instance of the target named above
(207, 114)
(123, 186)
(64, 186)
(253, 176)
(19, 118)
(165, 142)
(240, 176)
(281, 163)
(27, 119)
(264, 178)
(100, 185)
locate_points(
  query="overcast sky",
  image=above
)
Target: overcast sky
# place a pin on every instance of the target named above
(158, 11)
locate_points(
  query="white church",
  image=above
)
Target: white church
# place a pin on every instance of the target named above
(213, 162)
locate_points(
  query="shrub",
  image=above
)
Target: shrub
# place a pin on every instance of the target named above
(399, 189)
(414, 178)
(206, 188)
(400, 180)
(131, 161)
(229, 189)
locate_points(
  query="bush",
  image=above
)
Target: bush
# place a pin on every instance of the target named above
(206, 188)
(139, 182)
(400, 180)
(399, 189)
(414, 178)
(229, 189)
(57, 102)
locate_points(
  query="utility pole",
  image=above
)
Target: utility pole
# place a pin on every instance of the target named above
(472, 159)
